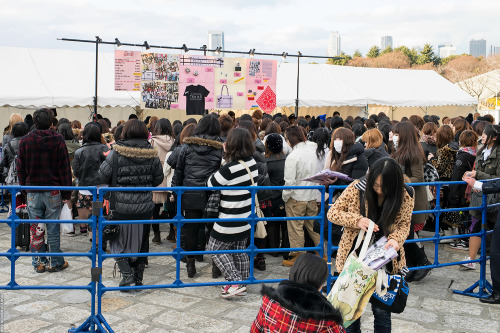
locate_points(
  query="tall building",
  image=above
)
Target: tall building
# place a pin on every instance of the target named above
(446, 50)
(334, 45)
(494, 50)
(386, 42)
(477, 47)
(215, 40)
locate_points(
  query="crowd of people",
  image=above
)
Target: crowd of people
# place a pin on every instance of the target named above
(379, 155)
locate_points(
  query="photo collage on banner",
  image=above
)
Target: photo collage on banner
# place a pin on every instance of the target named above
(199, 83)
(160, 81)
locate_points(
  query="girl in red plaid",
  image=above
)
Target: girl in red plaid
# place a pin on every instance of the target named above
(297, 305)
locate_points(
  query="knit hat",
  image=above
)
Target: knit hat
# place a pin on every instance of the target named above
(274, 142)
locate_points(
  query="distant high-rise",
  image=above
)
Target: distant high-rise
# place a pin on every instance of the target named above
(494, 50)
(446, 50)
(215, 40)
(386, 42)
(334, 44)
(477, 47)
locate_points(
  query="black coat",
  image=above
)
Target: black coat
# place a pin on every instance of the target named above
(429, 148)
(276, 171)
(464, 162)
(355, 165)
(199, 158)
(374, 154)
(263, 178)
(138, 166)
(10, 150)
(86, 163)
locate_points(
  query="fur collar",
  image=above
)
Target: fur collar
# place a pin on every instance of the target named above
(199, 141)
(132, 152)
(303, 300)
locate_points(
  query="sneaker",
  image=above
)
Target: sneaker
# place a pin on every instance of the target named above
(58, 267)
(290, 261)
(470, 265)
(231, 290)
(460, 245)
(83, 230)
(259, 263)
(70, 234)
(40, 268)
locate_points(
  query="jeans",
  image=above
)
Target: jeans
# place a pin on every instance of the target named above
(382, 322)
(47, 205)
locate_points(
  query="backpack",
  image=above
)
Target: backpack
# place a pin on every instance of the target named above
(11, 178)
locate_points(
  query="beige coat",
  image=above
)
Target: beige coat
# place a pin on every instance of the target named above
(162, 143)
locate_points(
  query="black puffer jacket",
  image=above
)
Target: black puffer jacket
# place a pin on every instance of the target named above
(355, 164)
(276, 171)
(463, 163)
(199, 158)
(374, 154)
(86, 163)
(10, 150)
(138, 166)
(263, 178)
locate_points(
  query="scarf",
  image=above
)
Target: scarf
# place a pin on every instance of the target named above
(468, 150)
(429, 139)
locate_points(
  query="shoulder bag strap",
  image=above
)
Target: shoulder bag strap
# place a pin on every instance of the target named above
(251, 178)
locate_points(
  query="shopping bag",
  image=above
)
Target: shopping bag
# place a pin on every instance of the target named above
(356, 283)
(224, 101)
(66, 215)
(391, 293)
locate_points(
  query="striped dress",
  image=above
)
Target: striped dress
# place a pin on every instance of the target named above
(233, 204)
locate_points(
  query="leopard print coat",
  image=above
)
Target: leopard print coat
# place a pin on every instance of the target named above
(345, 213)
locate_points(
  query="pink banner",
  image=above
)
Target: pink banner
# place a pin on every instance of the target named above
(127, 70)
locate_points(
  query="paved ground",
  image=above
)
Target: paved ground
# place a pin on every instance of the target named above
(432, 307)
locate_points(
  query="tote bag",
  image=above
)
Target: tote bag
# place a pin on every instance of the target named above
(224, 101)
(355, 285)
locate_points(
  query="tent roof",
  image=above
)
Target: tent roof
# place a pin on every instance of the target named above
(487, 85)
(328, 85)
(37, 77)
(44, 77)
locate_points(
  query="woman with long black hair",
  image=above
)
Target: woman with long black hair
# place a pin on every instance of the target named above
(388, 203)
(410, 155)
(199, 158)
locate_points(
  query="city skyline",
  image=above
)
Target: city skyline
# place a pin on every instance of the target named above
(334, 44)
(386, 42)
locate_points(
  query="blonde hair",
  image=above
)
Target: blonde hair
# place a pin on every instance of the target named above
(14, 119)
(373, 138)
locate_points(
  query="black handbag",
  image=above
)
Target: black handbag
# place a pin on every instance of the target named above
(111, 231)
(396, 296)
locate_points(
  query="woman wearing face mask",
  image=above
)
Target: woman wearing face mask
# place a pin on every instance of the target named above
(346, 156)
(410, 155)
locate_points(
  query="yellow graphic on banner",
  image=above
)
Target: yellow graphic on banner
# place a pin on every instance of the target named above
(240, 79)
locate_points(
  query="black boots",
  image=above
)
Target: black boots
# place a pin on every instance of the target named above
(418, 275)
(273, 237)
(172, 234)
(191, 267)
(139, 273)
(126, 271)
(215, 271)
(259, 260)
(156, 239)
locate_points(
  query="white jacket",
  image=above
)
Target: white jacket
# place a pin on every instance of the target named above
(300, 164)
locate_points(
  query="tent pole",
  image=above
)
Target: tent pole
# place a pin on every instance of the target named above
(97, 40)
(298, 73)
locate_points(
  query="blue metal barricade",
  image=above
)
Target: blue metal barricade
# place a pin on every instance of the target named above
(97, 323)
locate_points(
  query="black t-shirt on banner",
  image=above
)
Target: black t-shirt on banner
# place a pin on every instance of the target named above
(195, 99)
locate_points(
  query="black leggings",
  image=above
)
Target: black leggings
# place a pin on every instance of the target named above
(156, 216)
(193, 234)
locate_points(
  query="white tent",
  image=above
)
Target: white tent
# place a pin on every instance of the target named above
(327, 85)
(482, 86)
(43, 77)
(36, 77)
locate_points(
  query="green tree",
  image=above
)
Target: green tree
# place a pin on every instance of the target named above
(388, 49)
(446, 60)
(340, 62)
(428, 56)
(411, 54)
(374, 52)
(357, 54)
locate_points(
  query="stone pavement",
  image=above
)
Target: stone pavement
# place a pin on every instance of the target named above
(432, 307)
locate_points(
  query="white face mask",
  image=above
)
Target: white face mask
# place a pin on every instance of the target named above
(395, 140)
(337, 144)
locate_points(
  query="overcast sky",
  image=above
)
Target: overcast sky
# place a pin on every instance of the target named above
(266, 25)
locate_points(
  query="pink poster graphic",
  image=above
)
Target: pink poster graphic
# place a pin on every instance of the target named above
(261, 82)
(127, 70)
(198, 71)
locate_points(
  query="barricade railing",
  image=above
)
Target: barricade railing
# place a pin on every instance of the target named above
(97, 323)
(484, 286)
